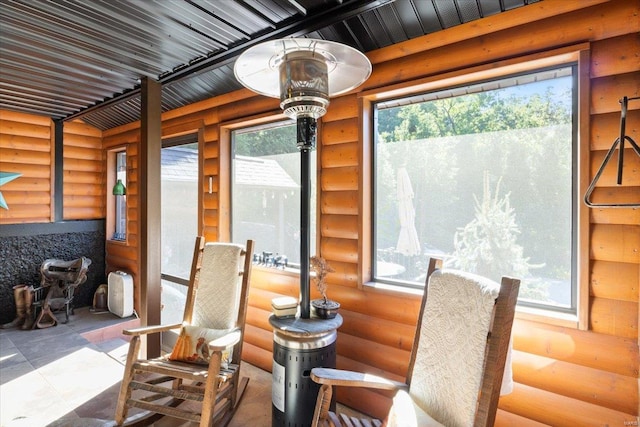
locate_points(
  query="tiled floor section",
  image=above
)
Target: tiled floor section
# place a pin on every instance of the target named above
(64, 372)
(69, 376)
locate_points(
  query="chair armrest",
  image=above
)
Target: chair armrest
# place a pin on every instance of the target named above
(340, 377)
(143, 330)
(229, 339)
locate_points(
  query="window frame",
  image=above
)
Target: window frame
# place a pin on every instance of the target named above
(226, 159)
(169, 142)
(564, 56)
(112, 178)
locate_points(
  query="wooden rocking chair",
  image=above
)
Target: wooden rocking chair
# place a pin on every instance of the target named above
(456, 368)
(200, 380)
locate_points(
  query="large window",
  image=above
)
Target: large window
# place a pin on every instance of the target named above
(482, 177)
(265, 203)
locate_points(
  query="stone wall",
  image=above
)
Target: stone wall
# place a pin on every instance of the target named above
(23, 248)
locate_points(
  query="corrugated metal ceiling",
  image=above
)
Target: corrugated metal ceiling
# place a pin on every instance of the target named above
(85, 58)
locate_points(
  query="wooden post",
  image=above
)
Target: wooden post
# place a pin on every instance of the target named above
(150, 207)
(58, 172)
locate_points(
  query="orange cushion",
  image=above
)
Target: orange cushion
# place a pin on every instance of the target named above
(192, 345)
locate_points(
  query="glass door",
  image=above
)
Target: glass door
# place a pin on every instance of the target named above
(179, 186)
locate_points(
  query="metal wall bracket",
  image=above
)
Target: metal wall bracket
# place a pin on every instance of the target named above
(619, 141)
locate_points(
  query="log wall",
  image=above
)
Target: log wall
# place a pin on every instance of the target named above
(124, 256)
(564, 375)
(30, 232)
(83, 172)
(26, 147)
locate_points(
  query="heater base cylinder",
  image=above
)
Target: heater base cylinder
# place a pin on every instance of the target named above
(299, 345)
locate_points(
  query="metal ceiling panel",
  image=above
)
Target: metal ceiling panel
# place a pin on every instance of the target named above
(429, 17)
(468, 11)
(84, 58)
(490, 7)
(409, 17)
(447, 12)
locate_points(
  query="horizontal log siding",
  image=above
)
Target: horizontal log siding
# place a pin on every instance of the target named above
(570, 365)
(26, 147)
(211, 168)
(564, 376)
(124, 255)
(556, 409)
(615, 264)
(202, 118)
(84, 172)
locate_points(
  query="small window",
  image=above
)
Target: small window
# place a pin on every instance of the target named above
(265, 201)
(119, 192)
(483, 177)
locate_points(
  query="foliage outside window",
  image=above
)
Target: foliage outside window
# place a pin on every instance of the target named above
(482, 177)
(119, 192)
(265, 188)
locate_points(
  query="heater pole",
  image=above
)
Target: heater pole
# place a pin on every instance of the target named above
(306, 135)
(305, 244)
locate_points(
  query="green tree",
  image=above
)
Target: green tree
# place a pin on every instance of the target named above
(266, 142)
(517, 132)
(488, 246)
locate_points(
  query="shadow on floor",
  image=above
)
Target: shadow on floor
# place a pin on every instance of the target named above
(69, 376)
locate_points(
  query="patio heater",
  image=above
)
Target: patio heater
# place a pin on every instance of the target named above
(304, 73)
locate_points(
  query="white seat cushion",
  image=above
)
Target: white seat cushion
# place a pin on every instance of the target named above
(405, 413)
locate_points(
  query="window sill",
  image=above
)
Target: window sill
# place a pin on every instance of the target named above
(396, 290)
(287, 270)
(549, 317)
(117, 242)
